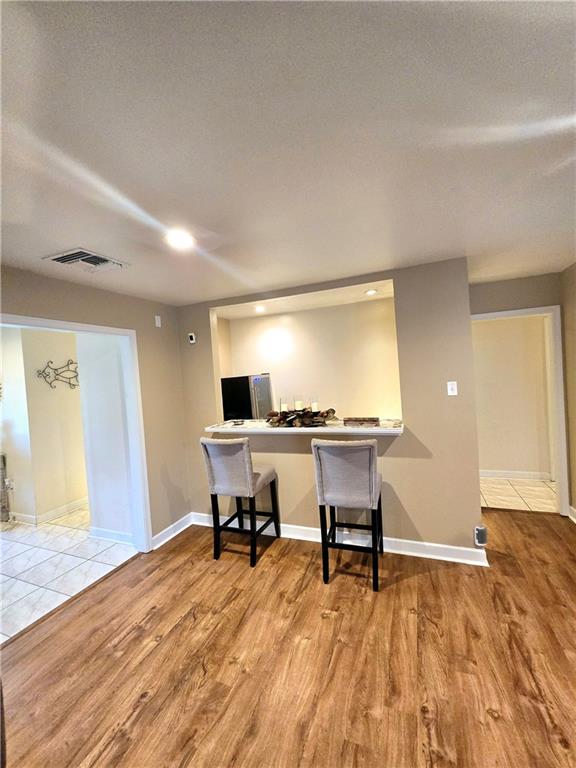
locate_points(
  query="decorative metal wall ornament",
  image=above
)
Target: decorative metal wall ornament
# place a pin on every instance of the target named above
(68, 374)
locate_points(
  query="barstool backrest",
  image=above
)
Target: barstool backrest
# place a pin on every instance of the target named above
(346, 473)
(229, 466)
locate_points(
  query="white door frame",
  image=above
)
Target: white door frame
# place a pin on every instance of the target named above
(140, 507)
(560, 447)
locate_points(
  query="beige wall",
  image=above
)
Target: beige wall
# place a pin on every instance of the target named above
(431, 487)
(569, 321)
(512, 395)
(345, 357)
(524, 292)
(15, 427)
(29, 294)
(55, 419)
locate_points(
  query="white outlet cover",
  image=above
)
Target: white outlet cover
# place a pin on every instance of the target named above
(452, 388)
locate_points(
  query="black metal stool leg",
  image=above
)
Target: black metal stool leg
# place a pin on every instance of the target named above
(324, 535)
(216, 524)
(375, 533)
(380, 524)
(240, 511)
(275, 509)
(333, 522)
(252, 505)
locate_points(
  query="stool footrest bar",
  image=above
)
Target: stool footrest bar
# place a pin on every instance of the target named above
(354, 526)
(352, 547)
(226, 523)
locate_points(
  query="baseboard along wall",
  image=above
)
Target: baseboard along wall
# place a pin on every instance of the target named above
(515, 474)
(72, 506)
(430, 550)
(110, 535)
(52, 514)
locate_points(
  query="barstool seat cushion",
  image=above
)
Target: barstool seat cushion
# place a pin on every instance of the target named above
(263, 475)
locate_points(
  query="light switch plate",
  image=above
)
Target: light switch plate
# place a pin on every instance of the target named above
(452, 388)
(158, 321)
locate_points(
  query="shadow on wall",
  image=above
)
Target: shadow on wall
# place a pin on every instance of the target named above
(307, 502)
(406, 445)
(179, 505)
(392, 508)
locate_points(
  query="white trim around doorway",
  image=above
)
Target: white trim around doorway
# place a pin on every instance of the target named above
(140, 509)
(560, 443)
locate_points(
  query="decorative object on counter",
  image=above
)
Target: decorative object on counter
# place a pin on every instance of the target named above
(361, 421)
(67, 374)
(302, 417)
(392, 423)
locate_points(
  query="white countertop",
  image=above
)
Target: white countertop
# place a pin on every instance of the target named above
(257, 427)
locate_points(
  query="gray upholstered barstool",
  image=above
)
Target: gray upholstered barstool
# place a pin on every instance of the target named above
(347, 477)
(230, 473)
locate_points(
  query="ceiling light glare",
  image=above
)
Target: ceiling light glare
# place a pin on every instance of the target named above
(179, 239)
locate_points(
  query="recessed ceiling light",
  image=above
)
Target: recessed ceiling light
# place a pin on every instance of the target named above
(259, 309)
(179, 239)
(371, 292)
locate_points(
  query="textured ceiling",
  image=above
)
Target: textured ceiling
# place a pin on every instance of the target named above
(298, 141)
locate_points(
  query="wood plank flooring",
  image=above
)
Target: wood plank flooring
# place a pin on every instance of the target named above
(178, 660)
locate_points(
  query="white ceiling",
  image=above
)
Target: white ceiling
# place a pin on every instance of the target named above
(333, 297)
(299, 141)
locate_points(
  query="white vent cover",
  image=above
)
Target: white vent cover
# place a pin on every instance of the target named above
(86, 260)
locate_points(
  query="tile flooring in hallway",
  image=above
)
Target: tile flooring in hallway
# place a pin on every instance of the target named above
(78, 518)
(42, 566)
(525, 495)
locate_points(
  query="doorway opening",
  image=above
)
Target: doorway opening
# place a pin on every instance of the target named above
(75, 504)
(42, 430)
(521, 412)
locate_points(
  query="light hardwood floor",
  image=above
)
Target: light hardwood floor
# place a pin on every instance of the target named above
(177, 660)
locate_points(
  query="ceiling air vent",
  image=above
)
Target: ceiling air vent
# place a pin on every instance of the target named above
(86, 260)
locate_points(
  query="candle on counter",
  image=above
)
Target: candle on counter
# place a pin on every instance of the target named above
(314, 405)
(298, 405)
(283, 405)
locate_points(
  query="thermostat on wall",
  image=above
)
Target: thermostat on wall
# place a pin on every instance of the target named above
(192, 338)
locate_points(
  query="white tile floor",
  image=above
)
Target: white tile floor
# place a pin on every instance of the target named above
(79, 518)
(526, 495)
(42, 566)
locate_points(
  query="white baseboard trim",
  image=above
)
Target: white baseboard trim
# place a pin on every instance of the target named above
(72, 506)
(173, 530)
(106, 533)
(51, 514)
(448, 552)
(29, 519)
(515, 474)
(429, 550)
(572, 514)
